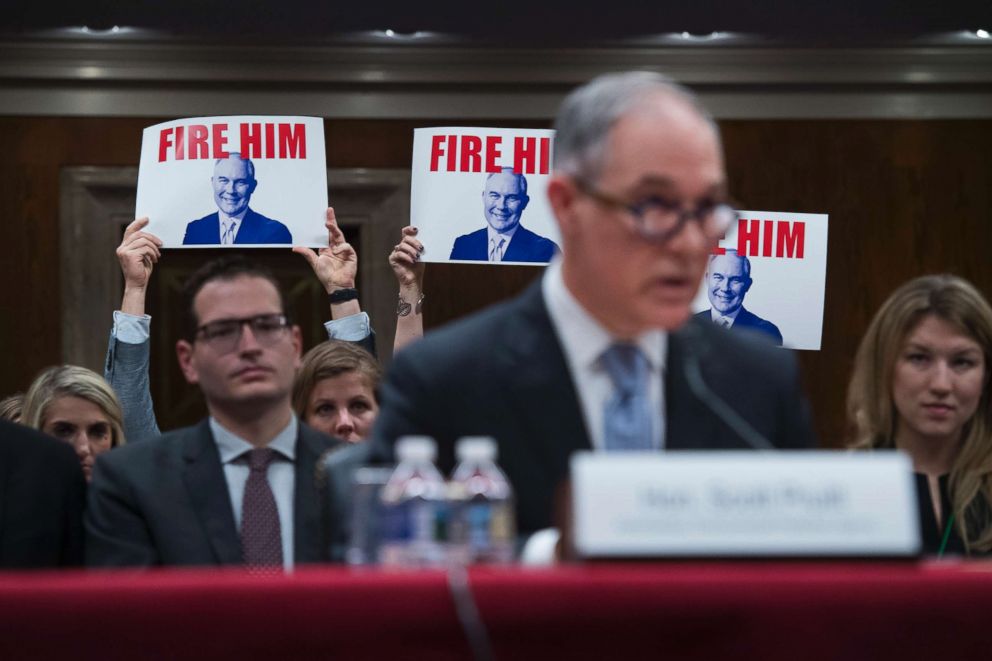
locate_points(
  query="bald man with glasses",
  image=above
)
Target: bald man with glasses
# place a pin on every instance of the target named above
(238, 488)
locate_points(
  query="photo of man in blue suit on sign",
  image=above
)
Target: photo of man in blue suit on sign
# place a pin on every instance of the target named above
(504, 199)
(234, 222)
(728, 279)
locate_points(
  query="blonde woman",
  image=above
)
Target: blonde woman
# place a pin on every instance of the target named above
(75, 405)
(335, 390)
(921, 384)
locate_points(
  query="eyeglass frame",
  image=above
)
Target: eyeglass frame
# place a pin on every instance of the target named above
(637, 211)
(201, 331)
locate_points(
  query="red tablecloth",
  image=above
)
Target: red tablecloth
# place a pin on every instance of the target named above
(769, 611)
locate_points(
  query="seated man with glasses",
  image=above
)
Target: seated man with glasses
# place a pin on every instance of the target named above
(603, 352)
(238, 488)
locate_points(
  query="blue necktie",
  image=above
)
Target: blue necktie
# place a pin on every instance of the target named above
(496, 252)
(227, 237)
(627, 414)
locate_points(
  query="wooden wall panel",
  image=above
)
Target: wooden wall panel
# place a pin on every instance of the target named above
(904, 198)
(35, 149)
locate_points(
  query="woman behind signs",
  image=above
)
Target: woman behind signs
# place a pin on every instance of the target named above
(921, 384)
(77, 406)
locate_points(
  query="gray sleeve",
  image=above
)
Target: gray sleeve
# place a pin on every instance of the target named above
(126, 370)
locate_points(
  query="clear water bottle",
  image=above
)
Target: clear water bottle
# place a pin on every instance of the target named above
(483, 523)
(414, 509)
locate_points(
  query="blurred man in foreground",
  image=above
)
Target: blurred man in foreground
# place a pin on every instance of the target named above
(596, 355)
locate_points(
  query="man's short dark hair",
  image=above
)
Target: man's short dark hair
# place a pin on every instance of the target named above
(222, 268)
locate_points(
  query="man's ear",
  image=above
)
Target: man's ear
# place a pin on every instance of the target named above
(747, 286)
(254, 184)
(525, 200)
(563, 196)
(184, 354)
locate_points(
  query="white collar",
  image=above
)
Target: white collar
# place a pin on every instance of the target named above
(232, 446)
(236, 219)
(496, 236)
(716, 316)
(582, 337)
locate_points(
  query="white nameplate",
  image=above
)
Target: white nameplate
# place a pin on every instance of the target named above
(738, 504)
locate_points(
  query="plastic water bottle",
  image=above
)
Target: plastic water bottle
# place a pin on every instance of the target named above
(483, 524)
(414, 508)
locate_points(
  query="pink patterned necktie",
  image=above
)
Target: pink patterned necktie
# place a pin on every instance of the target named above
(261, 540)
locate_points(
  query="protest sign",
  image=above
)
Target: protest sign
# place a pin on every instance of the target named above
(249, 181)
(769, 275)
(479, 195)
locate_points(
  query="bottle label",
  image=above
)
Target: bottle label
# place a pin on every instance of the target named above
(484, 531)
(413, 532)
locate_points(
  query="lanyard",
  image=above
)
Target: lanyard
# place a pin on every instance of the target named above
(947, 535)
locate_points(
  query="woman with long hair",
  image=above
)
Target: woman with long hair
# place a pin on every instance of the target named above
(921, 384)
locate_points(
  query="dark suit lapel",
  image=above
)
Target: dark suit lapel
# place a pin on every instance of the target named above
(6, 461)
(207, 487)
(542, 392)
(520, 246)
(689, 424)
(250, 228)
(213, 230)
(478, 245)
(307, 537)
(745, 319)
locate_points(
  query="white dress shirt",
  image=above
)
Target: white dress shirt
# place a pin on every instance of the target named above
(281, 475)
(583, 341)
(725, 320)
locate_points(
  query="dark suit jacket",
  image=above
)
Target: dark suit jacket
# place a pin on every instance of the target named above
(747, 320)
(524, 247)
(933, 534)
(255, 228)
(165, 502)
(42, 493)
(502, 373)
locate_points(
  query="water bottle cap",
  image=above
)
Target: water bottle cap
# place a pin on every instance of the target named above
(416, 448)
(476, 448)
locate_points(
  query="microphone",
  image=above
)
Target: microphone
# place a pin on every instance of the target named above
(694, 376)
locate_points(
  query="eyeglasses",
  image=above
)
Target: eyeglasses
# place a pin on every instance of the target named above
(658, 219)
(224, 335)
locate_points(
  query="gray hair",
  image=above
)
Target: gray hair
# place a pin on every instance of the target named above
(236, 155)
(587, 114)
(521, 180)
(730, 252)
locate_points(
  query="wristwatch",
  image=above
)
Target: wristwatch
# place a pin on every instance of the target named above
(342, 295)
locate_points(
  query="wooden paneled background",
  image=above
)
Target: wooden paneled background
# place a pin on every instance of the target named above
(904, 198)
